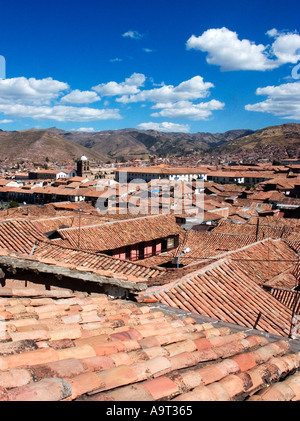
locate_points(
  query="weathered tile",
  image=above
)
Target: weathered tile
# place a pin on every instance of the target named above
(161, 387)
(44, 390)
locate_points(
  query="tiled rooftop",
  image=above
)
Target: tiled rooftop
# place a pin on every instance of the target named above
(90, 260)
(59, 346)
(268, 227)
(73, 220)
(191, 335)
(112, 235)
(22, 238)
(265, 259)
(209, 244)
(19, 236)
(230, 289)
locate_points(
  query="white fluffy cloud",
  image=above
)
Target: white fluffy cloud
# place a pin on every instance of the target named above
(30, 91)
(58, 112)
(48, 99)
(131, 85)
(226, 50)
(282, 101)
(165, 127)
(132, 35)
(80, 97)
(85, 129)
(39, 99)
(186, 109)
(287, 91)
(285, 46)
(191, 89)
(177, 101)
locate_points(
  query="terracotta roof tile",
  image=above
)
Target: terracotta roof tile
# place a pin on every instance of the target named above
(15, 378)
(224, 289)
(38, 356)
(82, 351)
(277, 392)
(200, 393)
(132, 353)
(84, 383)
(53, 389)
(24, 238)
(61, 369)
(112, 235)
(118, 376)
(235, 384)
(245, 361)
(294, 383)
(161, 388)
(220, 393)
(97, 363)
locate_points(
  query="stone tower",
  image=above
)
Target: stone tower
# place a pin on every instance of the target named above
(83, 167)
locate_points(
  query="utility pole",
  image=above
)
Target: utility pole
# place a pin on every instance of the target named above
(79, 226)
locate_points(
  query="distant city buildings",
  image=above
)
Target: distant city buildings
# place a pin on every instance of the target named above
(119, 186)
(51, 174)
(160, 172)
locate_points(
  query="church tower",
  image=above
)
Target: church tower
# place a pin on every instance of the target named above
(83, 167)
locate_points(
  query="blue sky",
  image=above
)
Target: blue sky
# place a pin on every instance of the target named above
(185, 66)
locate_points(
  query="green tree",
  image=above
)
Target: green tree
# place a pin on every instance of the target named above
(276, 162)
(13, 204)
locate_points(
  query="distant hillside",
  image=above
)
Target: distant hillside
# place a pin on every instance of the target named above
(65, 147)
(132, 143)
(282, 137)
(37, 145)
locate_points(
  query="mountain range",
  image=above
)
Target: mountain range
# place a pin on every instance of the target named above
(41, 146)
(132, 143)
(64, 147)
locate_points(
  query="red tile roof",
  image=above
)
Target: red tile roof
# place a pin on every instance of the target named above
(290, 298)
(115, 273)
(19, 235)
(81, 347)
(111, 235)
(268, 262)
(209, 244)
(72, 220)
(90, 260)
(203, 245)
(269, 227)
(163, 169)
(293, 241)
(223, 290)
(23, 237)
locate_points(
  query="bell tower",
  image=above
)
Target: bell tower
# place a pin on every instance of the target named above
(83, 166)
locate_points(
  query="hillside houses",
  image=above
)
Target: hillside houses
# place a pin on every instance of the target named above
(51, 174)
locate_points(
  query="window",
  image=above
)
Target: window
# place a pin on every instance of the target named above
(148, 249)
(127, 252)
(141, 251)
(170, 243)
(163, 244)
